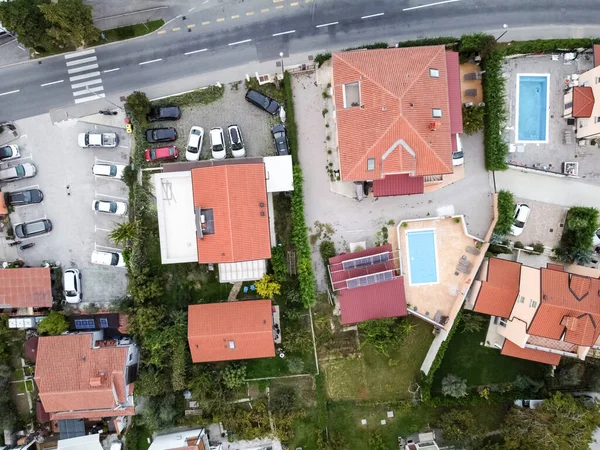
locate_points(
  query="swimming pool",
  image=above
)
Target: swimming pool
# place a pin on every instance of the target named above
(532, 108)
(421, 253)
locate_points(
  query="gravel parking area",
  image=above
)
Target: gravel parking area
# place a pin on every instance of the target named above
(231, 109)
(64, 175)
(544, 225)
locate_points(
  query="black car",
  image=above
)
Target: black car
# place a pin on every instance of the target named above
(262, 101)
(161, 135)
(159, 113)
(35, 228)
(25, 197)
(280, 135)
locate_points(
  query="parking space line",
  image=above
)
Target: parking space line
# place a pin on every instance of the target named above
(123, 146)
(294, 4)
(192, 25)
(29, 157)
(34, 237)
(33, 186)
(250, 13)
(101, 229)
(279, 7)
(100, 194)
(237, 16)
(107, 248)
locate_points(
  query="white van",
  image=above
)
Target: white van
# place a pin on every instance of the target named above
(108, 258)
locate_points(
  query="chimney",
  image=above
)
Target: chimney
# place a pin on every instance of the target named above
(95, 381)
(434, 125)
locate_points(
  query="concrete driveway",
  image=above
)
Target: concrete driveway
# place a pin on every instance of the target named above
(545, 223)
(64, 175)
(354, 221)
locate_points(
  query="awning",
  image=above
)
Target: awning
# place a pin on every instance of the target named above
(402, 184)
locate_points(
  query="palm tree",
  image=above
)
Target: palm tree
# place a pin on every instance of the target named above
(123, 232)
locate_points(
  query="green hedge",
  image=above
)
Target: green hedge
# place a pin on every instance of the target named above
(496, 149)
(506, 213)
(442, 40)
(547, 45)
(290, 117)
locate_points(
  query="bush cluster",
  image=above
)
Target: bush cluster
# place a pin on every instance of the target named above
(290, 121)
(506, 213)
(577, 238)
(441, 40)
(548, 45)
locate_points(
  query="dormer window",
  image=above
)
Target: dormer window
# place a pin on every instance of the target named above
(351, 93)
(436, 112)
(371, 164)
(232, 345)
(434, 73)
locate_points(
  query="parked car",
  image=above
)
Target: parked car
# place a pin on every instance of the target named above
(108, 258)
(161, 135)
(35, 228)
(26, 197)
(194, 146)
(596, 238)
(531, 404)
(108, 170)
(9, 152)
(109, 140)
(262, 101)
(458, 158)
(161, 154)
(72, 286)
(160, 113)
(521, 215)
(217, 143)
(236, 140)
(280, 135)
(18, 172)
(110, 207)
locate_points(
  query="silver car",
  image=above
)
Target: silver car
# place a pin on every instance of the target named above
(18, 172)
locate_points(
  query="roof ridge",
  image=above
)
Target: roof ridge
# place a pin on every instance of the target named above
(229, 334)
(231, 246)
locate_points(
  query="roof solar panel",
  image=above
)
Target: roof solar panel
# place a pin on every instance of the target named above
(368, 280)
(366, 261)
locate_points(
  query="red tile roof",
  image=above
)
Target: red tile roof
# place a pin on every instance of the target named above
(73, 376)
(558, 267)
(25, 287)
(30, 347)
(498, 294)
(213, 327)
(511, 349)
(393, 123)
(402, 184)
(583, 101)
(454, 94)
(339, 275)
(99, 414)
(235, 193)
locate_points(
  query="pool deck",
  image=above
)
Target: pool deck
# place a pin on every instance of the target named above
(446, 296)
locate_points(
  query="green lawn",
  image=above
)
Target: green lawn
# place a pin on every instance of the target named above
(466, 357)
(131, 31)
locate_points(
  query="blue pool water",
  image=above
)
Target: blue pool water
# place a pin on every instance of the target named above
(422, 257)
(532, 108)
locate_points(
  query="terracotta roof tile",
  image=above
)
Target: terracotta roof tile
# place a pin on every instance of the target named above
(511, 349)
(498, 294)
(25, 287)
(596, 55)
(235, 194)
(583, 101)
(392, 125)
(66, 365)
(402, 184)
(212, 328)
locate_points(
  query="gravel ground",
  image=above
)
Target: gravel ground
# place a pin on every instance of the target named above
(231, 109)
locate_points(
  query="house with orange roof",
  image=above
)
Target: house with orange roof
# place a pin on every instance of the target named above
(398, 116)
(539, 314)
(85, 375)
(25, 288)
(231, 331)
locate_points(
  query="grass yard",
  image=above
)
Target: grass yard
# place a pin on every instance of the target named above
(378, 377)
(131, 31)
(480, 365)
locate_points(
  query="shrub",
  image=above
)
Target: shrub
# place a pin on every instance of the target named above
(54, 324)
(442, 40)
(548, 45)
(538, 247)
(577, 238)
(506, 213)
(278, 263)
(496, 149)
(459, 427)
(473, 119)
(138, 104)
(519, 244)
(234, 375)
(477, 43)
(292, 131)
(267, 287)
(295, 364)
(322, 58)
(327, 250)
(454, 386)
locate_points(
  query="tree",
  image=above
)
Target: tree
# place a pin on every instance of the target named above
(472, 323)
(160, 412)
(54, 324)
(454, 386)
(234, 375)
(8, 413)
(283, 401)
(459, 427)
(138, 104)
(25, 19)
(295, 364)
(71, 23)
(506, 213)
(473, 119)
(577, 237)
(327, 250)
(267, 287)
(383, 334)
(526, 384)
(123, 232)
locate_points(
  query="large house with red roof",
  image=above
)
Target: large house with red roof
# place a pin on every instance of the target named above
(398, 115)
(539, 314)
(27, 287)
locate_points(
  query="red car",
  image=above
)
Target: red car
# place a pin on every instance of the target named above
(161, 154)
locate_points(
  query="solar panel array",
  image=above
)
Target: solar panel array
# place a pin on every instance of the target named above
(368, 280)
(84, 324)
(366, 261)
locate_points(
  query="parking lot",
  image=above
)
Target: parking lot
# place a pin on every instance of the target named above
(545, 223)
(64, 175)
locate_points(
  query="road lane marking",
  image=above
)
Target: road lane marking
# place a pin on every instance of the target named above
(192, 25)
(90, 98)
(88, 90)
(294, 4)
(51, 83)
(162, 32)
(222, 19)
(86, 83)
(195, 51)
(78, 54)
(237, 16)
(239, 42)
(277, 1)
(84, 76)
(264, 10)
(431, 4)
(82, 61)
(151, 61)
(279, 7)
(308, 1)
(10, 92)
(250, 13)
(206, 23)
(176, 28)
(191, 9)
(82, 68)
(327, 24)
(372, 15)
(284, 32)
(111, 70)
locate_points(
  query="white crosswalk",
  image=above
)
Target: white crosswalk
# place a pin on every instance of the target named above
(83, 66)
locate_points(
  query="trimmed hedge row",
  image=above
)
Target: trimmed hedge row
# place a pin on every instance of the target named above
(442, 40)
(506, 212)
(547, 45)
(290, 121)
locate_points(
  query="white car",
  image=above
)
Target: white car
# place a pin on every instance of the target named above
(217, 143)
(109, 170)
(596, 238)
(9, 152)
(108, 258)
(521, 215)
(236, 140)
(110, 140)
(194, 146)
(458, 158)
(18, 172)
(110, 207)
(72, 286)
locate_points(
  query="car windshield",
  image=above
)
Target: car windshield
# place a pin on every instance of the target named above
(114, 260)
(20, 170)
(5, 152)
(192, 149)
(26, 196)
(195, 132)
(70, 293)
(237, 146)
(113, 170)
(152, 154)
(112, 207)
(266, 102)
(457, 155)
(217, 148)
(278, 136)
(519, 224)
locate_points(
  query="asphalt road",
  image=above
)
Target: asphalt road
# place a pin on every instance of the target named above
(227, 36)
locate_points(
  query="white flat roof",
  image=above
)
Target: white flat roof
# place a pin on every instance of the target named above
(279, 174)
(88, 442)
(242, 271)
(175, 440)
(176, 218)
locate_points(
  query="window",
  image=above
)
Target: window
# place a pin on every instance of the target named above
(232, 345)
(532, 303)
(103, 323)
(130, 356)
(436, 112)
(520, 299)
(569, 105)
(371, 164)
(597, 119)
(434, 73)
(597, 80)
(502, 322)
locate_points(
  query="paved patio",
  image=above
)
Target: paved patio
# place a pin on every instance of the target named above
(550, 156)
